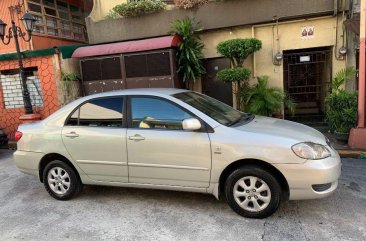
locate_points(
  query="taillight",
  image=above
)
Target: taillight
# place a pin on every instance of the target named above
(18, 135)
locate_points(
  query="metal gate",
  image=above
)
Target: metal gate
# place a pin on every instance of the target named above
(307, 78)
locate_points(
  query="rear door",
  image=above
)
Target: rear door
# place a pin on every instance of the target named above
(95, 138)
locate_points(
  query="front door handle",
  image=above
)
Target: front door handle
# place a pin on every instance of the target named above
(136, 137)
(72, 134)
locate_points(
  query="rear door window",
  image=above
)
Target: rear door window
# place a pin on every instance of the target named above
(103, 112)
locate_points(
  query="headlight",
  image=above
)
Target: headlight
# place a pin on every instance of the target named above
(309, 150)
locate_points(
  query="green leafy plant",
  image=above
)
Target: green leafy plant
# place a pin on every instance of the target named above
(342, 76)
(188, 4)
(341, 115)
(237, 50)
(138, 8)
(189, 54)
(260, 99)
(67, 80)
(342, 111)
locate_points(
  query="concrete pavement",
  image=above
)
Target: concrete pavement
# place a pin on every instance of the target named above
(27, 212)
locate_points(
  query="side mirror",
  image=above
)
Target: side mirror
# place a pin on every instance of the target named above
(191, 124)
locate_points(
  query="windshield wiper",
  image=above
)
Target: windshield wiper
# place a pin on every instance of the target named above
(245, 118)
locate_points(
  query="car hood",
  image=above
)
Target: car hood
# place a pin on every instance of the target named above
(283, 128)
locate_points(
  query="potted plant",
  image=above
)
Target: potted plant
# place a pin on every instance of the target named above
(341, 115)
(260, 99)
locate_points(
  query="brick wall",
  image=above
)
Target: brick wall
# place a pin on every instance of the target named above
(48, 76)
(12, 91)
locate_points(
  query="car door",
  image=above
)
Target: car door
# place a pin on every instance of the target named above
(159, 150)
(95, 138)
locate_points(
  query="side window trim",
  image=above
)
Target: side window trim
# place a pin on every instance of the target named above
(205, 127)
(124, 106)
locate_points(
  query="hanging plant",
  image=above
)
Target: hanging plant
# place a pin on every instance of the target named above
(67, 81)
(188, 4)
(137, 8)
(189, 54)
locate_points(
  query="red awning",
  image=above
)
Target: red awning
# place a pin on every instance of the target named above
(127, 47)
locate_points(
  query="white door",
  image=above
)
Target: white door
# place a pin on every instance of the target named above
(159, 151)
(96, 140)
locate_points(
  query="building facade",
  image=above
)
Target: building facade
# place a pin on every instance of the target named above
(309, 36)
(59, 30)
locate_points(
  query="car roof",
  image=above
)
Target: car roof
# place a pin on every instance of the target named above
(141, 91)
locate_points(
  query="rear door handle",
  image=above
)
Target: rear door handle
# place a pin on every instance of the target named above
(136, 137)
(72, 134)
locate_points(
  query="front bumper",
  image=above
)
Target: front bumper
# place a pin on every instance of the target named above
(302, 177)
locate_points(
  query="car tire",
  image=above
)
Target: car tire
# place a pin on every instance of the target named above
(253, 192)
(61, 181)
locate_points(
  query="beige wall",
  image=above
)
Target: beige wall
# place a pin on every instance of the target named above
(101, 8)
(289, 38)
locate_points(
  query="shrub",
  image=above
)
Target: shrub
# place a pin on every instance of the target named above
(342, 113)
(187, 4)
(239, 49)
(260, 99)
(234, 75)
(189, 54)
(139, 8)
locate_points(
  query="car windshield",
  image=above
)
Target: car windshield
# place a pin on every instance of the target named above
(215, 109)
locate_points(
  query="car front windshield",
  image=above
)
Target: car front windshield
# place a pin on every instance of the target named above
(215, 109)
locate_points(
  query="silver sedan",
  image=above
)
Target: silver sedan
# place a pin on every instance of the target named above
(178, 140)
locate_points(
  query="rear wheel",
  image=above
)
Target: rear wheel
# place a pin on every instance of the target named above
(253, 192)
(61, 181)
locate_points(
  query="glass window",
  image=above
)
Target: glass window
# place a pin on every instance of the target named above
(105, 112)
(52, 22)
(34, 8)
(50, 11)
(52, 31)
(38, 29)
(65, 25)
(39, 19)
(66, 33)
(215, 109)
(62, 5)
(152, 113)
(63, 15)
(49, 3)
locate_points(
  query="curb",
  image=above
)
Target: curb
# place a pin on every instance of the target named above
(352, 154)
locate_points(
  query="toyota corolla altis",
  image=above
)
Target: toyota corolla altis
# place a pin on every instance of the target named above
(178, 140)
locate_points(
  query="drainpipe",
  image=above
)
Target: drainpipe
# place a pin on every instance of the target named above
(362, 67)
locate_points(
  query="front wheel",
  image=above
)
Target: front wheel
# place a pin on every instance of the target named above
(253, 192)
(61, 181)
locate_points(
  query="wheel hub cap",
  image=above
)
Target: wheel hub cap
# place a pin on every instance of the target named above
(58, 180)
(252, 194)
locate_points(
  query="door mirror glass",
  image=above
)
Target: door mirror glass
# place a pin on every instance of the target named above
(191, 124)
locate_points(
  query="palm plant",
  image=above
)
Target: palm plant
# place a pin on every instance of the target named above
(189, 54)
(342, 76)
(260, 99)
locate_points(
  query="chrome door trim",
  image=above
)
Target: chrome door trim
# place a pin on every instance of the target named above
(101, 162)
(167, 166)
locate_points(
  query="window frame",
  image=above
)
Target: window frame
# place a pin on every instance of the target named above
(77, 108)
(58, 19)
(205, 128)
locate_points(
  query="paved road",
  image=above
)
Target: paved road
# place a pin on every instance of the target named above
(27, 212)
